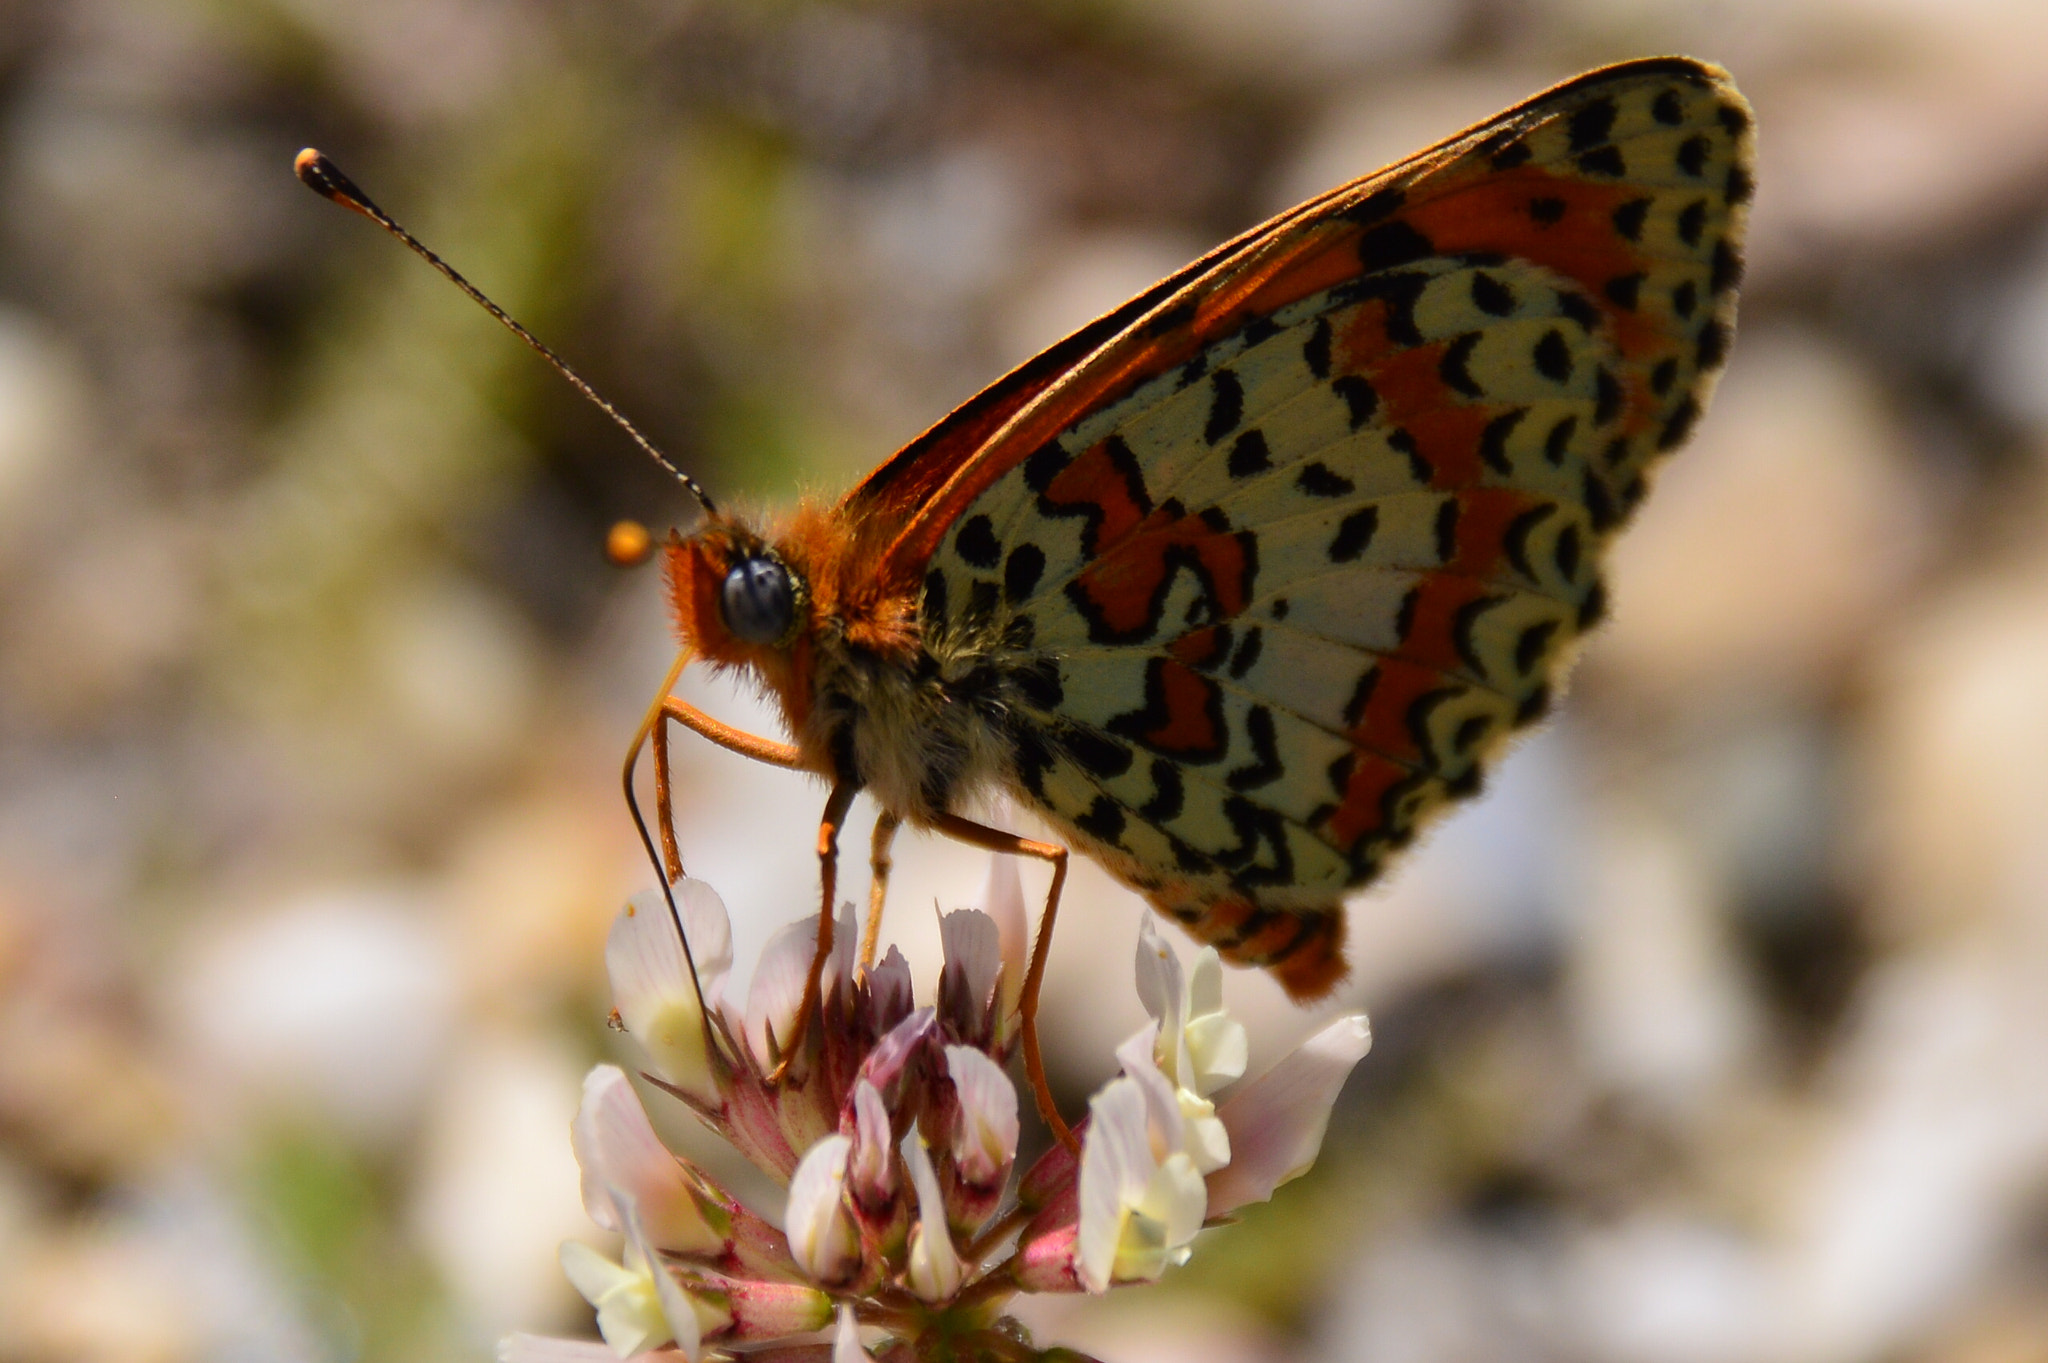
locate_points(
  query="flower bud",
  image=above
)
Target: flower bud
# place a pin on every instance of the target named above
(934, 1271)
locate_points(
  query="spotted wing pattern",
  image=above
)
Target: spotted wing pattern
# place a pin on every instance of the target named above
(1289, 595)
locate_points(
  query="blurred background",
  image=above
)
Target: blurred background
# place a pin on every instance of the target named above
(1718, 1031)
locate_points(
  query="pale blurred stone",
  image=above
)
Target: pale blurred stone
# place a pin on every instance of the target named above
(92, 1295)
(1954, 796)
(332, 1004)
(1937, 1136)
(1660, 1007)
(498, 1187)
(1773, 543)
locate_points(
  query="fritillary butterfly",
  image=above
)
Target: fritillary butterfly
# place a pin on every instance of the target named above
(1239, 584)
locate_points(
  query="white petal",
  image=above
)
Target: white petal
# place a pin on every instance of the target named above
(778, 987)
(986, 1142)
(1116, 1165)
(1159, 978)
(651, 985)
(616, 1146)
(821, 1237)
(846, 1340)
(1277, 1121)
(1178, 1199)
(1214, 1041)
(679, 1310)
(1162, 1103)
(590, 1272)
(1002, 899)
(935, 1270)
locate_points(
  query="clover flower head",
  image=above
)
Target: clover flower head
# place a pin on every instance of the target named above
(908, 1225)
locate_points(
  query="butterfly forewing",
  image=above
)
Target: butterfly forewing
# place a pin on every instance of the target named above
(1305, 538)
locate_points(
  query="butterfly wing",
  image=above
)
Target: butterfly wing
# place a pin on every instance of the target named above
(1297, 539)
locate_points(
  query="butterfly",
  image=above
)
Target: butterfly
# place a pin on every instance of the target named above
(1240, 584)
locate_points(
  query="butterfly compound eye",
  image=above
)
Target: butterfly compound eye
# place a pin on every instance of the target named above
(758, 600)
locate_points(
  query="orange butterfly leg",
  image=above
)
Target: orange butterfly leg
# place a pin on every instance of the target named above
(880, 863)
(996, 840)
(836, 805)
(725, 736)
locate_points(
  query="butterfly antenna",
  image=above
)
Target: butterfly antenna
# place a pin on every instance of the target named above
(324, 178)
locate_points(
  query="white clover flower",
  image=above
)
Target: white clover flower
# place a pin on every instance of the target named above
(896, 1128)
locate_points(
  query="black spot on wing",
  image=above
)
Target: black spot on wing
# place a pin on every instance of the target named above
(1168, 796)
(1381, 203)
(1534, 643)
(1103, 821)
(1679, 425)
(1546, 210)
(1668, 109)
(1693, 153)
(1559, 442)
(1247, 655)
(1021, 572)
(1513, 154)
(1044, 465)
(1318, 479)
(1663, 376)
(1354, 535)
(1265, 766)
(1685, 299)
(1493, 441)
(1727, 268)
(1516, 541)
(1315, 352)
(1489, 295)
(1464, 621)
(1624, 289)
(1607, 397)
(1447, 529)
(1629, 217)
(1226, 405)
(1418, 467)
(1605, 161)
(1098, 754)
(1580, 309)
(1713, 344)
(1553, 357)
(1452, 367)
(1249, 455)
(1392, 243)
(1741, 186)
(1565, 553)
(976, 542)
(1692, 221)
(1359, 398)
(1591, 124)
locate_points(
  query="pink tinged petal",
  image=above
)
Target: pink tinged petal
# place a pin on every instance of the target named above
(985, 1142)
(652, 988)
(616, 1147)
(889, 993)
(846, 1340)
(974, 966)
(771, 1310)
(821, 1236)
(935, 1271)
(1116, 1164)
(871, 1168)
(1002, 899)
(897, 1054)
(1277, 1121)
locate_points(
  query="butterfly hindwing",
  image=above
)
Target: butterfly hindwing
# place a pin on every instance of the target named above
(1302, 545)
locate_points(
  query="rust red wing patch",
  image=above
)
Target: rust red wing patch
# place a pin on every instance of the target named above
(1267, 565)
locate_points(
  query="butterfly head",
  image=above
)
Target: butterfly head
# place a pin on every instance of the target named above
(738, 598)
